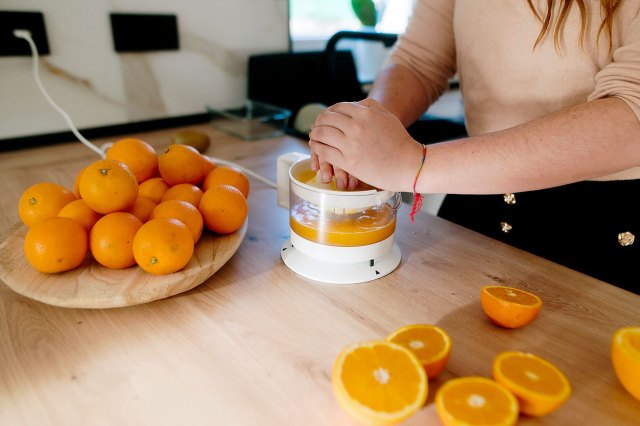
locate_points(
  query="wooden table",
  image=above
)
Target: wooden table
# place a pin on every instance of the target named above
(254, 345)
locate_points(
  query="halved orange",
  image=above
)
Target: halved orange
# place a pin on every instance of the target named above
(430, 343)
(379, 382)
(508, 306)
(625, 356)
(468, 401)
(539, 385)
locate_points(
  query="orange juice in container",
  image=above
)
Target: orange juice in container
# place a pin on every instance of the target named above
(337, 236)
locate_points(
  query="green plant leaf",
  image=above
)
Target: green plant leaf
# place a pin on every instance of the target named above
(365, 10)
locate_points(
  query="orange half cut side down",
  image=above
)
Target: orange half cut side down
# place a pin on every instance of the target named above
(508, 306)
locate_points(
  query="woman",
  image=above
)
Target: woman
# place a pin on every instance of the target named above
(552, 106)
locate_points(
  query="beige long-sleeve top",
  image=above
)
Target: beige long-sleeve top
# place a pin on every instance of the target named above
(504, 80)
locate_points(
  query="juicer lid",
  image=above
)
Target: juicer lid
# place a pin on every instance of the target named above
(323, 196)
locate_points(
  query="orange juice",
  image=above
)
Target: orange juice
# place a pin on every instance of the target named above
(364, 227)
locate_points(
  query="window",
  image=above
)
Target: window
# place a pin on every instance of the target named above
(312, 22)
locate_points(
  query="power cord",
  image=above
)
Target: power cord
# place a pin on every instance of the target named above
(26, 35)
(245, 170)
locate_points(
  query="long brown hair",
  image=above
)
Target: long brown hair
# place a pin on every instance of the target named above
(608, 7)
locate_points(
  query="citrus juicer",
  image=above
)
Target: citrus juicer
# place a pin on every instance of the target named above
(336, 236)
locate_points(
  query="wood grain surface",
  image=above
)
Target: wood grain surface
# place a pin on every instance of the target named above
(94, 286)
(255, 343)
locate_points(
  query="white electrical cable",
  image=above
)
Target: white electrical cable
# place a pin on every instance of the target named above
(26, 35)
(245, 170)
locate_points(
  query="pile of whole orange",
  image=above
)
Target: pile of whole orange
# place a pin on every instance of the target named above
(133, 207)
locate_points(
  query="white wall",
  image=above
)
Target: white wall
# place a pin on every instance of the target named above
(99, 87)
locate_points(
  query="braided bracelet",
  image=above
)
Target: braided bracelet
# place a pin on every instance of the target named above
(417, 198)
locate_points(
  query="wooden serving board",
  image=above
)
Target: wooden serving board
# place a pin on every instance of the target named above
(94, 286)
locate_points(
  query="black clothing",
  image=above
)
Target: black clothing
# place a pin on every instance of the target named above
(587, 226)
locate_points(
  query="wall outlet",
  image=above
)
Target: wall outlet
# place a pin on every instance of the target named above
(33, 22)
(133, 32)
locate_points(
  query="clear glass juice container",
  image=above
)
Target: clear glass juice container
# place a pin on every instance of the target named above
(320, 213)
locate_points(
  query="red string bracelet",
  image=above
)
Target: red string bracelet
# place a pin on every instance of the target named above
(417, 198)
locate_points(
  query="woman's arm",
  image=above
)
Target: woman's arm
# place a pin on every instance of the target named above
(399, 90)
(586, 141)
(417, 73)
(396, 90)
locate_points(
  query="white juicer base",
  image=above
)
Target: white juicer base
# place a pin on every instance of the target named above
(339, 273)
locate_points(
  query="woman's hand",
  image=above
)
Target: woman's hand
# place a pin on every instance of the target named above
(366, 141)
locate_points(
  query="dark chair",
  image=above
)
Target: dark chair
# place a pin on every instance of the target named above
(292, 80)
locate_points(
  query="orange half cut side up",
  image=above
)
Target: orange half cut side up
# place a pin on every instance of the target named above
(539, 385)
(430, 343)
(467, 401)
(379, 382)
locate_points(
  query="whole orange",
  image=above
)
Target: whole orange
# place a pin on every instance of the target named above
(56, 244)
(142, 208)
(76, 183)
(163, 246)
(182, 164)
(183, 211)
(184, 192)
(43, 200)
(111, 240)
(79, 211)
(209, 164)
(108, 186)
(153, 188)
(224, 209)
(138, 155)
(227, 175)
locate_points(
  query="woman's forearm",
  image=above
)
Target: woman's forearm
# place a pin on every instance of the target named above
(586, 141)
(400, 91)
